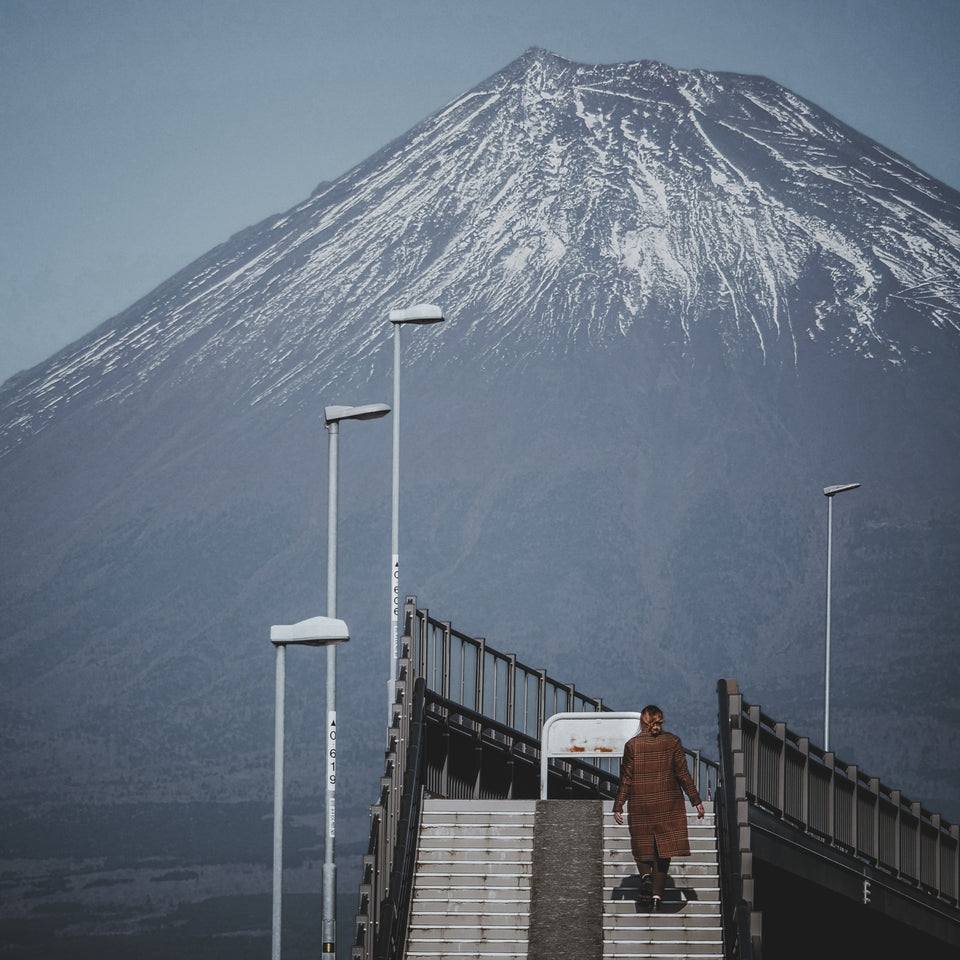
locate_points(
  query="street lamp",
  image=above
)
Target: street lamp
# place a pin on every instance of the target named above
(316, 632)
(830, 493)
(420, 314)
(333, 415)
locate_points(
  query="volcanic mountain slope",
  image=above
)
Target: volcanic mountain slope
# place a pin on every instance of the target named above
(678, 304)
(558, 205)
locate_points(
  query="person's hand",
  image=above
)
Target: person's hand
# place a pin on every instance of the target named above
(700, 811)
(618, 816)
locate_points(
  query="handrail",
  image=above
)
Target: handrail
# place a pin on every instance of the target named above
(465, 669)
(604, 783)
(395, 908)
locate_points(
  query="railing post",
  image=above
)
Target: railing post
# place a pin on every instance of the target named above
(409, 631)
(445, 659)
(917, 812)
(511, 693)
(803, 748)
(753, 712)
(955, 873)
(780, 729)
(853, 775)
(416, 633)
(873, 785)
(829, 761)
(935, 821)
(897, 827)
(481, 671)
(541, 701)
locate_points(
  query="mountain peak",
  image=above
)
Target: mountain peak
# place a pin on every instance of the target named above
(561, 206)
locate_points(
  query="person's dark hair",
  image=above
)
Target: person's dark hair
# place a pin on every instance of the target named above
(652, 710)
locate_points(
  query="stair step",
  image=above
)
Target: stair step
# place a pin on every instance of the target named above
(432, 920)
(630, 924)
(662, 951)
(440, 838)
(488, 897)
(664, 927)
(501, 887)
(702, 910)
(464, 852)
(476, 865)
(471, 896)
(476, 950)
(449, 933)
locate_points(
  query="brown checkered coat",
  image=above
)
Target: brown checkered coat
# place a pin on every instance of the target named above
(653, 772)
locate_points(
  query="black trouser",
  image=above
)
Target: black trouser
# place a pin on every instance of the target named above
(656, 869)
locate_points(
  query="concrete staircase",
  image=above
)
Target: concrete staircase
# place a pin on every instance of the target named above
(689, 924)
(471, 894)
(472, 890)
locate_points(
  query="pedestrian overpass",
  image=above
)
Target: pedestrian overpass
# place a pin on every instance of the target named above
(800, 855)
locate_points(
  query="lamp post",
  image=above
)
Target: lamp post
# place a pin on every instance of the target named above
(333, 415)
(316, 632)
(830, 493)
(419, 314)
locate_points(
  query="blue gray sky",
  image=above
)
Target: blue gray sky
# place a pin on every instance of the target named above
(136, 134)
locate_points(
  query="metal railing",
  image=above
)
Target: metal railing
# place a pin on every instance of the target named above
(509, 699)
(765, 764)
(467, 671)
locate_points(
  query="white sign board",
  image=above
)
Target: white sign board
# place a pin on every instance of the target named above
(579, 735)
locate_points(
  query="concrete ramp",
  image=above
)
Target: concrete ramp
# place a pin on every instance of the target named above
(566, 900)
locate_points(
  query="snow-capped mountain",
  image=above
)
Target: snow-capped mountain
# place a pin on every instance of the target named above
(678, 305)
(559, 205)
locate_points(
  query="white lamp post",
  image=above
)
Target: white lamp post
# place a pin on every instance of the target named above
(333, 415)
(318, 631)
(830, 493)
(420, 314)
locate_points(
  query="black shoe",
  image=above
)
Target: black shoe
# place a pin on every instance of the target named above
(655, 905)
(646, 884)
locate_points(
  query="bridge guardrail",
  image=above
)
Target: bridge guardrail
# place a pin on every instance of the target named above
(837, 803)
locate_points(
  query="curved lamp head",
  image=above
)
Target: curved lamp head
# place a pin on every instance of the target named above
(368, 411)
(315, 632)
(421, 313)
(839, 488)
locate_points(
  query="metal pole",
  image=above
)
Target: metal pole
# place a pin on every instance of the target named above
(395, 534)
(329, 928)
(830, 493)
(826, 671)
(278, 802)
